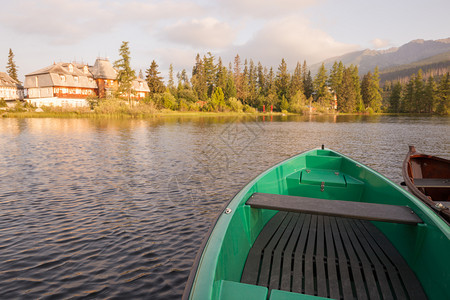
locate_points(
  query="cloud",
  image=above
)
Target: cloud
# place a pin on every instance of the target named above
(68, 22)
(292, 38)
(204, 33)
(265, 8)
(180, 58)
(157, 11)
(380, 43)
(60, 21)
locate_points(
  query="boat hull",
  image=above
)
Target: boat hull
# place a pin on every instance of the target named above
(323, 174)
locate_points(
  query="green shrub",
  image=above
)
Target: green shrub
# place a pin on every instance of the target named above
(370, 111)
(234, 104)
(194, 107)
(182, 105)
(169, 101)
(249, 109)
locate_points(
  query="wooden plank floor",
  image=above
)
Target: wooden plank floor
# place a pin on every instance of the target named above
(330, 257)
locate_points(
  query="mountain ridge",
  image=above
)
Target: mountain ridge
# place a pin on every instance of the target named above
(368, 59)
(435, 66)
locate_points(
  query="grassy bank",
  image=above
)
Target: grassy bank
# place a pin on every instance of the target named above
(115, 108)
(74, 114)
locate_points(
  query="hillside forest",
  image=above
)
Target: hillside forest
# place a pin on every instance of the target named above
(212, 86)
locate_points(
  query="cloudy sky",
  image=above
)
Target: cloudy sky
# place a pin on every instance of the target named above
(174, 31)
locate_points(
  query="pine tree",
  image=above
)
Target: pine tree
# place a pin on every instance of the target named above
(262, 86)
(154, 81)
(365, 89)
(125, 75)
(271, 98)
(308, 85)
(283, 81)
(244, 92)
(221, 75)
(296, 80)
(347, 94)
(185, 79)
(238, 78)
(408, 96)
(184, 91)
(11, 67)
(304, 71)
(395, 97)
(376, 99)
(443, 95)
(357, 86)
(171, 83)
(320, 85)
(430, 95)
(230, 88)
(418, 95)
(252, 84)
(209, 73)
(198, 79)
(336, 76)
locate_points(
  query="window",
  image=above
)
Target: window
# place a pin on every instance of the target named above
(36, 81)
(85, 69)
(75, 78)
(70, 68)
(63, 78)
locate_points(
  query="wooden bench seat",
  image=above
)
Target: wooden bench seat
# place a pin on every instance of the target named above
(331, 257)
(432, 182)
(348, 209)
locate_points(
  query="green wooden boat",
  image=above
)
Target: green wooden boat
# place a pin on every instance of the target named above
(321, 225)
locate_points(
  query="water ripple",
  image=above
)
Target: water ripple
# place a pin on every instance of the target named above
(115, 209)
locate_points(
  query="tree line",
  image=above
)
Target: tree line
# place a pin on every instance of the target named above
(247, 85)
(250, 86)
(419, 95)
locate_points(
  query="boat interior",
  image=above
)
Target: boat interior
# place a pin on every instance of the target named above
(431, 176)
(313, 227)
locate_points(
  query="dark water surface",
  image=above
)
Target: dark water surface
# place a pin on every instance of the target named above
(115, 209)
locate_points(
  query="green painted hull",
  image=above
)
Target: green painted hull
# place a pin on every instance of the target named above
(425, 247)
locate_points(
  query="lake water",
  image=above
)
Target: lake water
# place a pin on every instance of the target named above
(118, 208)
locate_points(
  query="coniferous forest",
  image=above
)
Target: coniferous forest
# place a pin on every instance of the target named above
(247, 86)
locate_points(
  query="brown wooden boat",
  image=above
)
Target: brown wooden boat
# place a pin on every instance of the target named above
(428, 178)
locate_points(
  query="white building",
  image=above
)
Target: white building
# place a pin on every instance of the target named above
(10, 89)
(61, 84)
(70, 84)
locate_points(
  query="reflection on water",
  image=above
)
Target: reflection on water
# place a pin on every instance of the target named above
(117, 208)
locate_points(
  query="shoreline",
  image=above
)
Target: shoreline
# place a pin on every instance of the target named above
(93, 115)
(167, 113)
